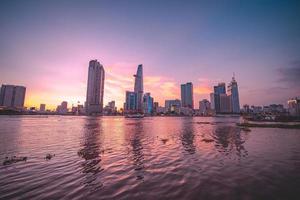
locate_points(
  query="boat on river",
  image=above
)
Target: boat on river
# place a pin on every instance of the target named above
(136, 116)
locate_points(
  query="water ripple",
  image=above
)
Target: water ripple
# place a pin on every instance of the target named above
(161, 157)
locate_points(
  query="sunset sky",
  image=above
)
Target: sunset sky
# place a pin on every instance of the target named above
(46, 46)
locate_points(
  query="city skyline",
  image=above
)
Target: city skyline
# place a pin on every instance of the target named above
(46, 47)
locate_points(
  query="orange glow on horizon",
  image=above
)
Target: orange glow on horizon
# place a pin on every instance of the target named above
(116, 84)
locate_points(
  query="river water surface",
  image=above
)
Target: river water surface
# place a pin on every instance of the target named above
(150, 158)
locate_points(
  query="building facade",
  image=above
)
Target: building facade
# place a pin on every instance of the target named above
(155, 106)
(42, 107)
(204, 107)
(139, 88)
(172, 105)
(131, 102)
(225, 103)
(294, 107)
(110, 108)
(148, 104)
(215, 97)
(95, 88)
(187, 99)
(233, 92)
(62, 108)
(12, 96)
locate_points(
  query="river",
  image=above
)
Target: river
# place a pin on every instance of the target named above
(150, 158)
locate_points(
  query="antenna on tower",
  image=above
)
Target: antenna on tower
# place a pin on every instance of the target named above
(233, 77)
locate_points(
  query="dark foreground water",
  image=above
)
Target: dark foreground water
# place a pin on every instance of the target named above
(150, 158)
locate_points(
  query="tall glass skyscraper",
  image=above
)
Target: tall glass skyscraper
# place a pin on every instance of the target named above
(187, 99)
(233, 93)
(215, 97)
(139, 88)
(148, 103)
(131, 99)
(95, 88)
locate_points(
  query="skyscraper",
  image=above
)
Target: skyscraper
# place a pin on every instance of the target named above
(233, 93)
(215, 97)
(225, 103)
(131, 100)
(139, 88)
(12, 96)
(95, 88)
(187, 99)
(148, 103)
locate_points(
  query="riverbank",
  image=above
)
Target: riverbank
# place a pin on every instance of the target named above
(269, 125)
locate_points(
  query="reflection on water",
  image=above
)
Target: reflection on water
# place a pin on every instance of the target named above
(165, 157)
(135, 132)
(228, 140)
(91, 152)
(187, 135)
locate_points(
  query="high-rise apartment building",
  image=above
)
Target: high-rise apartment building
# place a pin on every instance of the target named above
(131, 102)
(95, 88)
(148, 103)
(139, 88)
(187, 99)
(12, 96)
(215, 97)
(233, 93)
(225, 103)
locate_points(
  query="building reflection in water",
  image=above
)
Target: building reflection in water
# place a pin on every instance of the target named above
(228, 140)
(13, 134)
(187, 135)
(91, 152)
(134, 135)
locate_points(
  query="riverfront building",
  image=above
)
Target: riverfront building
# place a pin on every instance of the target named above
(148, 104)
(233, 93)
(42, 107)
(95, 88)
(134, 100)
(187, 99)
(172, 106)
(225, 103)
(131, 102)
(62, 108)
(294, 106)
(155, 106)
(204, 107)
(110, 108)
(139, 88)
(215, 97)
(12, 96)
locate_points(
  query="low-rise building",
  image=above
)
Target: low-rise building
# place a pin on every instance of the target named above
(204, 107)
(172, 106)
(42, 107)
